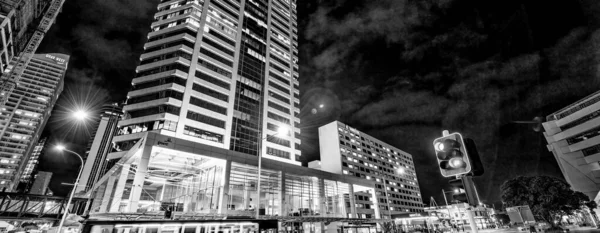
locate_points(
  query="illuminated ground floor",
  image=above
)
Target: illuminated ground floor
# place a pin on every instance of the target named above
(162, 173)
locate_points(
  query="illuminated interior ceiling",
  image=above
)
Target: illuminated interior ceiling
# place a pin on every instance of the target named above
(167, 166)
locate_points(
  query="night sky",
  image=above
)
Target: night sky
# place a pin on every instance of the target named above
(399, 70)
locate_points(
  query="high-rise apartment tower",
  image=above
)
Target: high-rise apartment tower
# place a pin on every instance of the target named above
(345, 150)
(219, 72)
(26, 112)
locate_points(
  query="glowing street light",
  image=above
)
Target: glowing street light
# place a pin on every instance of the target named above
(80, 115)
(60, 147)
(283, 130)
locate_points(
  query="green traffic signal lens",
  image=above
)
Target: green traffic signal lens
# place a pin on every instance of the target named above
(456, 163)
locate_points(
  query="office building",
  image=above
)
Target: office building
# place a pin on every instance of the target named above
(345, 150)
(40, 185)
(27, 109)
(223, 73)
(573, 137)
(195, 180)
(99, 145)
(33, 161)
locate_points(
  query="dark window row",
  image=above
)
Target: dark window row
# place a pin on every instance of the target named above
(214, 68)
(156, 70)
(212, 80)
(203, 134)
(278, 141)
(224, 9)
(221, 37)
(278, 87)
(278, 153)
(205, 119)
(281, 30)
(580, 120)
(231, 4)
(155, 110)
(210, 92)
(217, 46)
(282, 62)
(276, 67)
(167, 56)
(279, 97)
(170, 44)
(206, 105)
(281, 79)
(279, 107)
(155, 96)
(218, 58)
(173, 33)
(278, 118)
(158, 82)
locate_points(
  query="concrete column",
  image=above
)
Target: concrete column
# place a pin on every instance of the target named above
(353, 213)
(281, 199)
(224, 194)
(110, 185)
(138, 180)
(118, 195)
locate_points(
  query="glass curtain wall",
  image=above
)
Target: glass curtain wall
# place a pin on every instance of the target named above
(302, 196)
(242, 191)
(182, 182)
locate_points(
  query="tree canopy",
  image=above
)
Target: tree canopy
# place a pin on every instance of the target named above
(547, 196)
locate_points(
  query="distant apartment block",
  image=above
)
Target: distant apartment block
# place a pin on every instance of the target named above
(573, 135)
(346, 150)
(41, 183)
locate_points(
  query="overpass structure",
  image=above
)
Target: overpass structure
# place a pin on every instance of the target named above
(20, 206)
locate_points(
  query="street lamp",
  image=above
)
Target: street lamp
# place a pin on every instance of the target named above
(62, 221)
(281, 130)
(80, 115)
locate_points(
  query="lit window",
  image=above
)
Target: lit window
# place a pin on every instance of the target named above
(345, 172)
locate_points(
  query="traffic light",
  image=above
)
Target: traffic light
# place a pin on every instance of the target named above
(458, 191)
(463, 191)
(452, 155)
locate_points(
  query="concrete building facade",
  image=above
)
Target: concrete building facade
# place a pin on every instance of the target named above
(99, 146)
(221, 72)
(346, 150)
(572, 134)
(26, 112)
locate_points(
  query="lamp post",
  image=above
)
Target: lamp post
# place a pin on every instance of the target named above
(62, 221)
(281, 130)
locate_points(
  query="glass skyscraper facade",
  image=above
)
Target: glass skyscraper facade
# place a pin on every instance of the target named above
(26, 112)
(218, 72)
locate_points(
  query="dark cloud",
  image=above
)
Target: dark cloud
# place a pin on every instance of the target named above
(406, 70)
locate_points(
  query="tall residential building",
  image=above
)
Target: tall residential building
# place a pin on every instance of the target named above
(27, 109)
(345, 150)
(573, 135)
(100, 145)
(223, 73)
(33, 161)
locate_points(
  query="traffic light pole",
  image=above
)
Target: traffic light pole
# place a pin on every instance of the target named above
(468, 185)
